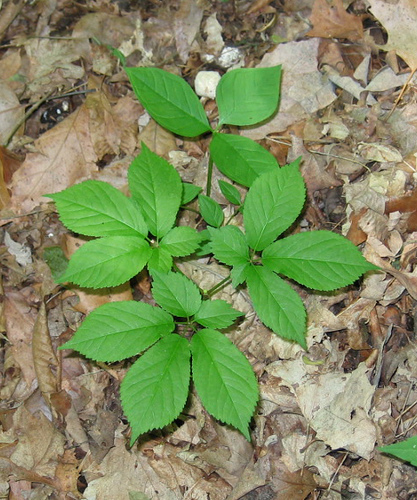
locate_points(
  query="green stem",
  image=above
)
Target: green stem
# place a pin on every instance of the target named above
(216, 288)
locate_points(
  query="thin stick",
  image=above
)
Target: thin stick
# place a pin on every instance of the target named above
(401, 93)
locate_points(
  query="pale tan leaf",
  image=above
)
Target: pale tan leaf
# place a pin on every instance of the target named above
(330, 20)
(20, 320)
(65, 154)
(158, 139)
(43, 354)
(11, 112)
(399, 18)
(40, 443)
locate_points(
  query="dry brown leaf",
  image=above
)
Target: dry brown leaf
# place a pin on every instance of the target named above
(8, 164)
(11, 112)
(399, 18)
(313, 168)
(65, 154)
(405, 204)
(20, 320)
(112, 128)
(44, 355)
(49, 65)
(40, 443)
(103, 129)
(330, 20)
(67, 473)
(158, 139)
(298, 484)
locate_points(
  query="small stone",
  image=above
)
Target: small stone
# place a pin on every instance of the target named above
(206, 83)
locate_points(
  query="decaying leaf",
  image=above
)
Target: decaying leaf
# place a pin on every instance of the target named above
(330, 20)
(65, 154)
(44, 357)
(399, 18)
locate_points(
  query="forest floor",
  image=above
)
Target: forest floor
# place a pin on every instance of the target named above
(349, 108)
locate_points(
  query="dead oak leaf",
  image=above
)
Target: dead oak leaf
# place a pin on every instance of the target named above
(64, 155)
(399, 18)
(330, 20)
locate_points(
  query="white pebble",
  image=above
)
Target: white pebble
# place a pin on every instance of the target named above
(206, 83)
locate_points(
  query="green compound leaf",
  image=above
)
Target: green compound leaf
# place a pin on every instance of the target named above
(155, 389)
(319, 259)
(278, 306)
(224, 379)
(216, 314)
(107, 261)
(229, 245)
(405, 450)
(272, 204)
(175, 293)
(157, 188)
(230, 192)
(210, 210)
(169, 100)
(95, 208)
(119, 330)
(189, 192)
(160, 260)
(247, 96)
(181, 241)
(240, 158)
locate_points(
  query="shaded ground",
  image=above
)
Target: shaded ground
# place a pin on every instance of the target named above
(67, 113)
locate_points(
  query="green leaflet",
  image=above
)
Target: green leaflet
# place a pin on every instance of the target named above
(224, 379)
(230, 192)
(319, 259)
(210, 210)
(189, 192)
(229, 245)
(95, 208)
(155, 389)
(119, 330)
(404, 450)
(272, 204)
(181, 241)
(238, 274)
(278, 306)
(160, 260)
(169, 100)
(157, 188)
(216, 314)
(107, 262)
(246, 96)
(175, 293)
(240, 158)
(178, 242)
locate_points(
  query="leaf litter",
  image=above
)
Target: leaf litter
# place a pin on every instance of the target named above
(323, 413)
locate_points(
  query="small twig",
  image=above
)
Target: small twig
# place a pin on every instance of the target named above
(403, 89)
(28, 113)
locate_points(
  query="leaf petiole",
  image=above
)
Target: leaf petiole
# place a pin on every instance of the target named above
(216, 288)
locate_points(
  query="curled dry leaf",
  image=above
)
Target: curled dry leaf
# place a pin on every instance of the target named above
(330, 20)
(65, 154)
(44, 355)
(399, 19)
